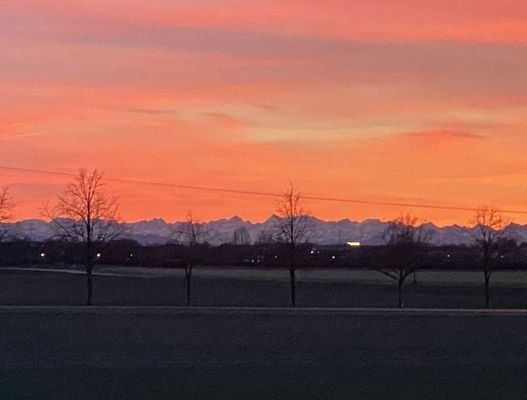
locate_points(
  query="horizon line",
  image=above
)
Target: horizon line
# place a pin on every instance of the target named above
(252, 222)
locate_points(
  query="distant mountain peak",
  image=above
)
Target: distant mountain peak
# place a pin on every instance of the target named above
(368, 232)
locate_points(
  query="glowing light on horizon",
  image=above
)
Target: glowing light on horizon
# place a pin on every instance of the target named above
(354, 244)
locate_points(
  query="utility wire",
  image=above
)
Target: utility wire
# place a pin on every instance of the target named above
(263, 194)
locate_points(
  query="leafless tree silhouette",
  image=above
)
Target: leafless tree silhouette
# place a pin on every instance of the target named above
(84, 213)
(491, 240)
(292, 229)
(193, 235)
(241, 236)
(265, 238)
(6, 207)
(406, 242)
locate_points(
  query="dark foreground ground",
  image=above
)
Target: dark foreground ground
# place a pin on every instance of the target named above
(169, 353)
(108, 352)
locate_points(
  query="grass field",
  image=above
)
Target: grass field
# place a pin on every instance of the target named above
(260, 287)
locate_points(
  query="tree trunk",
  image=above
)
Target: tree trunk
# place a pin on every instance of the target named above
(293, 286)
(89, 283)
(188, 279)
(400, 287)
(487, 288)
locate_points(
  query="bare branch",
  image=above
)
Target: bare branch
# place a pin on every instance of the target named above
(7, 205)
(489, 234)
(191, 233)
(293, 221)
(84, 212)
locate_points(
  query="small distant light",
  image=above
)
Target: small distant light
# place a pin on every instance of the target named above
(98, 255)
(333, 257)
(354, 244)
(448, 256)
(131, 254)
(276, 257)
(42, 255)
(312, 251)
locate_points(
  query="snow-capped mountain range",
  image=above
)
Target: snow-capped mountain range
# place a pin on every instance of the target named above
(369, 232)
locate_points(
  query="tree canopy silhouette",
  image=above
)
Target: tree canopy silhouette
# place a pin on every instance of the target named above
(7, 205)
(406, 243)
(491, 240)
(85, 213)
(193, 235)
(292, 229)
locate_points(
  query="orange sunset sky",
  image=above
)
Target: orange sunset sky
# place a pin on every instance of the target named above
(398, 101)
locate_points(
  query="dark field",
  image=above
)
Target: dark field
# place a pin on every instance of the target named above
(177, 353)
(139, 353)
(268, 288)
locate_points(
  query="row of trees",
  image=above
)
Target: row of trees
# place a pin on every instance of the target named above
(84, 213)
(408, 241)
(408, 247)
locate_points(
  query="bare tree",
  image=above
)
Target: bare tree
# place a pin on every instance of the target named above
(292, 229)
(6, 207)
(490, 238)
(241, 237)
(85, 214)
(406, 243)
(193, 235)
(265, 238)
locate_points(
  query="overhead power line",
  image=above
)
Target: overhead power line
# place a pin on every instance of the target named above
(263, 194)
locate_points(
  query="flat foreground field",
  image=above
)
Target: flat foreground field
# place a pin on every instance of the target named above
(260, 287)
(175, 353)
